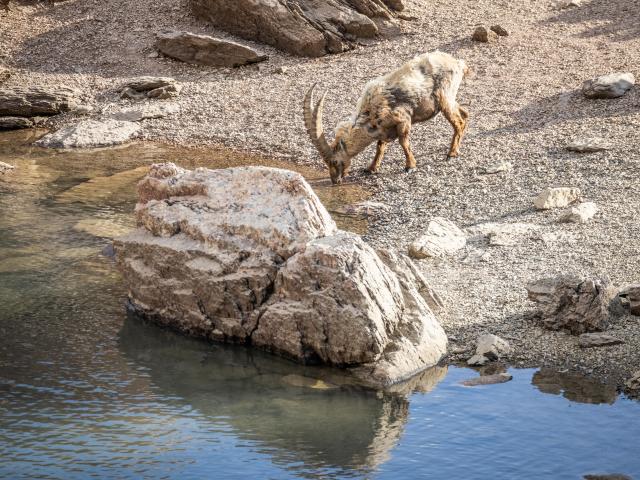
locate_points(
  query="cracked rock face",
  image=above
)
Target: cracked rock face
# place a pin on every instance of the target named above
(571, 303)
(249, 255)
(303, 27)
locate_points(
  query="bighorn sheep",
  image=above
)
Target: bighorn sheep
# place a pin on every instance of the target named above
(387, 109)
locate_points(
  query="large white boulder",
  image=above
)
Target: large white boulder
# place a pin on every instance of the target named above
(250, 255)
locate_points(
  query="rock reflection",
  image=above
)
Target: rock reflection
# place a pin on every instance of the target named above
(574, 387)
(296, 414)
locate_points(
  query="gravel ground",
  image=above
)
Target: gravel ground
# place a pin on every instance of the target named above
(525, 106)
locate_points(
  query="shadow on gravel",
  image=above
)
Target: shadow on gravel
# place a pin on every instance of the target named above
(617, 20)
(568, 106)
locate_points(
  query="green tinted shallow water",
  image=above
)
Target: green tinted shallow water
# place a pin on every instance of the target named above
(86, 391)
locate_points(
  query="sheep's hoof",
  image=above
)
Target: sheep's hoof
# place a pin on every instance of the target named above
(368, 171)
(452, 155)
(409, 169)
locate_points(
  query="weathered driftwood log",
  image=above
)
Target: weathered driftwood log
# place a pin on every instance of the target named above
(303, 27)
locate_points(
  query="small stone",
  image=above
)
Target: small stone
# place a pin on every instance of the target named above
(131, 94)
(587, 340)
(162, 93)
(505, 234)
(281, 70)
(498, 167)
(35, 101)
(581, 213)
(83, 109)
(613, 85)
(363, 209)
(587, 145)
(145, 84)
(5, 168)
(634, 382)
(489, 349)
(500, 30)
(556, 197)
(488, 380)
(153, 55)
(632, 294)
(442, 238)
(483, 34)
(206, 50)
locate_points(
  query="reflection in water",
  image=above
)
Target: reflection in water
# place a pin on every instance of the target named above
(272, 401)
(574, 387)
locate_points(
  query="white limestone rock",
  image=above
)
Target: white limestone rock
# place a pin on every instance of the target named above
(557, 197)
(442, 238)
(91, 134)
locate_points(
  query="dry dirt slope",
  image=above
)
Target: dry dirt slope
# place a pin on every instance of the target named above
(525, 106)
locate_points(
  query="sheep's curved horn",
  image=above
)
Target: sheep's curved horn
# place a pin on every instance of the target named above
(313, 122)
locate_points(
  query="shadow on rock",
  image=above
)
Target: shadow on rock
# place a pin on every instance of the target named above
(294, 413)
(574, 387)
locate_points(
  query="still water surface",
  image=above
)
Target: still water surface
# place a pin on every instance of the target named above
(86, 391)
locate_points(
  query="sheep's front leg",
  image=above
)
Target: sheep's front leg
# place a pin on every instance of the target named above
(457, 117)
(380, 149)
(403, 137)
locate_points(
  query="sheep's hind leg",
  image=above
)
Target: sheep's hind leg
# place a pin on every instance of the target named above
(457, 117)
(403, 138)
(380, 149)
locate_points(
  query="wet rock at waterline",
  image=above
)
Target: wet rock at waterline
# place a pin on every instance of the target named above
(613, 85)
(571, 303)
(37, 101)
(91, 134)
(487, 380)
(150, 87)
(206, 50)
(634, 382)
(442, 238)
(597, 339)
(557, 197)
(607, 476)
(489, 349)
(6, 168)
(581, 213)
(18, 123)
(302, 27)
(250, 255)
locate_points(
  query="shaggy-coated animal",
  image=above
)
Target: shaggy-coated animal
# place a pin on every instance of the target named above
(387, 109)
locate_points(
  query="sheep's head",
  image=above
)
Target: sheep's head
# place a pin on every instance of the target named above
(335, 156)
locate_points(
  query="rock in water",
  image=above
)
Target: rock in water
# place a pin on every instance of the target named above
(90, 134)
(302, 27)
(556, 197)
(488, 380)
(442, 238)
(37, 101)
(206, 50)
(597, 339)
(250, 255)
(607, 476)
(571, 303)
(580, 214)
(608, 86)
